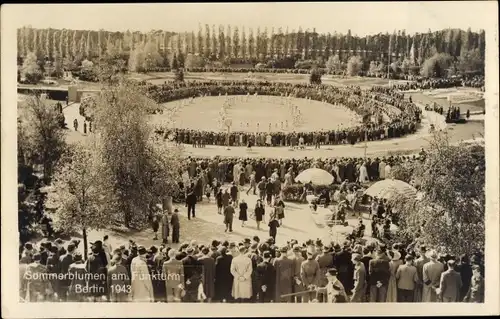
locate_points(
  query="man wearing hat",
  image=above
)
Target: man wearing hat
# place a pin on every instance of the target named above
(334, 290)
(266, 279)
(298, 286)
(476, 289)
(228, 217)
(208, 266)
(65, 261)
(141, 285)
(223, 277)
(38, 286)
(285, 274)
(419, 264)
(325, 261)
(450, 284)
(176, 225)
(261, 186)
(380, 273)
(406, 276)
(256, 259)
(310, 273)
(173, 271)
(241, 269)
(431, 276)
(192, 276)
(234, 193)
(78, 270)
(118, 280)
(358, 292)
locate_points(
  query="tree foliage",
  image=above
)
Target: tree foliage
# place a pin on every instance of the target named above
(436, 65)
(31, 70)
(315, 76)
(450, 214)
(354, 65)
(41, 139)
(136, 169)
(79, 194)
(194, 61)
(333, 64)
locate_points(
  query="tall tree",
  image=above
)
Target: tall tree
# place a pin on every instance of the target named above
(207, 41)
(222, 42)
(228, 42)
(286, 43)
(243, 46)
(251, 44)
(44, 139)
(213, 47)
(80, 196)
(199, 47)
(236, 42)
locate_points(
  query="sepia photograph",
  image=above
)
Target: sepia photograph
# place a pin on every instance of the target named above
(231, 154)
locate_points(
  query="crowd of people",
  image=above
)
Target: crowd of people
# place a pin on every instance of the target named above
(441, 83)
(252, 270)
(403, 115)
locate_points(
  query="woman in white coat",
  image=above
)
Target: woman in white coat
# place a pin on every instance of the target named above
(241, 269)
(363, 174)
(141, 287)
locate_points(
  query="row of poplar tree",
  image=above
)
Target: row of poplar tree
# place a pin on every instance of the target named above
(249, 45)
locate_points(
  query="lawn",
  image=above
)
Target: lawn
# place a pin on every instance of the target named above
(203, 114)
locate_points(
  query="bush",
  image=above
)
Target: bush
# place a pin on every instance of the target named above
(315, 77)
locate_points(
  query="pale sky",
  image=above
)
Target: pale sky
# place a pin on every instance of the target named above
(362, 17)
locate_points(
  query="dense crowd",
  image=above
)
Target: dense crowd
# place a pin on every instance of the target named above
(202, 171)
(370, 104)
(441, 83)
(249, 271)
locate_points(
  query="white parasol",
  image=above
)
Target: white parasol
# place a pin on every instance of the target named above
(390, 187)
(316, 176)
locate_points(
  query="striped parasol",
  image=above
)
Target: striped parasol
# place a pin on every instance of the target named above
(390, 187)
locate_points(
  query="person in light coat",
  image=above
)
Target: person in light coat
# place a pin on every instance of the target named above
(359, 290)
(363, 174)
(431, 277)
(388, 170)
(241, 269)
(141, 284)
(450, 284)
(381, 168)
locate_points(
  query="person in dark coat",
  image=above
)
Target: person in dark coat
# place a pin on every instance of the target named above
(228, 217)
(266, 279)
(259, 212)
(191, 201)
(155, 224)
(192, 276)
(65, 261)
(343, 264)
(96, 267)
(273, 226)
(465, 270)
(223, 277)
(269, 191)
(234, 193)
(218, 199)
(53, 266)
(243, 216)
(208, 266)
(174, 221)
(285, 276)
